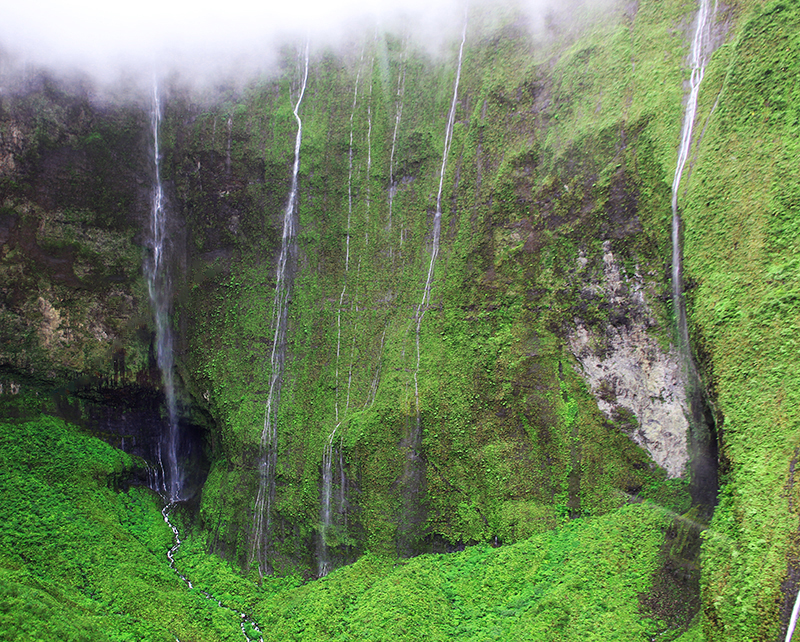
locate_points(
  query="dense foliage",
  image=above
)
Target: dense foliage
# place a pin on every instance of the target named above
(482, 486)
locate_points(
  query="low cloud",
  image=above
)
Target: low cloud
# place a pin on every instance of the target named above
(105, 38)
(126, 43)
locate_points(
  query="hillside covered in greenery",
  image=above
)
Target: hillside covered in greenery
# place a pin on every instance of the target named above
(426, 378)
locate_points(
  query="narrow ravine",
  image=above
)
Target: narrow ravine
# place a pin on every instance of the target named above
(244, 619)
(158, 285)
(283, 285)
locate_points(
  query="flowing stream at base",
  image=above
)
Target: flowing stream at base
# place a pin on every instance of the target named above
(283, 285)
(244, 619)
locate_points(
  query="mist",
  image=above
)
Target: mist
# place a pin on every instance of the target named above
(107, 39)
(205, 41)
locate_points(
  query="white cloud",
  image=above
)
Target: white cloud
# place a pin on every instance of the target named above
(104, 35)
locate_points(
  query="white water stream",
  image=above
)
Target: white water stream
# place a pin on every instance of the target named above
(158, 285)
(698, 60)
(326, 514)
(398, 113)
(244, 619)
(437, 218)
(283, 283)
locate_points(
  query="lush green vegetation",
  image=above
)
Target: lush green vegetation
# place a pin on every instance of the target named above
(579, 582)
(741, 238)
(476, 430)
(512, 442)
(81, 559)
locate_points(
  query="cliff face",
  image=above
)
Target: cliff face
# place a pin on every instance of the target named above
(538, 382)
(74, 203)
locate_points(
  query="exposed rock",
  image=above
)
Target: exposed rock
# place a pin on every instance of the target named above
(49, 331)
(630, 373)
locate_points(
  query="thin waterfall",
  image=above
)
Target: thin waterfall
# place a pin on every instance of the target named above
(283, 284)
(158, 285)
(702, 441)
(698, 61)
(398, 113)
(413, 476)
(326, 518)
(437, 218)
(793, 619)
(323, 562)
(369, 155)
(347, 242)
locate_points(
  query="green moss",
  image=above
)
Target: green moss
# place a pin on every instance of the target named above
(81, 559)
(576, 581)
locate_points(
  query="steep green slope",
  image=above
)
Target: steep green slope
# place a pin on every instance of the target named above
(554, 164)
(580, 582)
(81, 559)
(741, 241)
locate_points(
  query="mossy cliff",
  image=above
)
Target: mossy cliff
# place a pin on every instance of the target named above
(536, 394)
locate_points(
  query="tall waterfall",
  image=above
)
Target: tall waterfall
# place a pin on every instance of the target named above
(702, 441)
(398, 113)
(158, 284)
(326, 513)
(283, 285)
(437, 218)
(698, 61)
(413, 477)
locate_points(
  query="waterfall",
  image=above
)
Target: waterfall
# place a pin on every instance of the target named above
(158, 285)
(398, 112)
(413, 477)
(283, 283)
(326, 519)
(324, 564)
(437, 218)
(793, 619)
(698, 61)
(369, 155)
(702, 441)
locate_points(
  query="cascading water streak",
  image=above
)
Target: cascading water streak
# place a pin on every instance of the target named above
(437, 218)
(398, 113)
(701, 437)
(323, 563)
(326, 517)
(369, 160)
(158, 285)
(412, 481)
(698, 61)
(283, 284)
